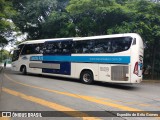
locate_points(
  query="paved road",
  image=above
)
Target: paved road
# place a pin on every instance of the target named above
(44, 93)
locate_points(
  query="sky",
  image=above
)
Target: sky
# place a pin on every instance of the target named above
(10, 46)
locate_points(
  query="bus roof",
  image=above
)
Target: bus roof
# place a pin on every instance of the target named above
(82, 38)
(44, 40)
(108, 36)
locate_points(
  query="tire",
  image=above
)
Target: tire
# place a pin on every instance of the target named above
(24, 70)
(87, 77)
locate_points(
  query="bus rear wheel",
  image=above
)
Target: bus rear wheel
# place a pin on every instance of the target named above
(87, 77)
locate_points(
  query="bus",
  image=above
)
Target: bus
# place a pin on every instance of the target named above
(114, 58)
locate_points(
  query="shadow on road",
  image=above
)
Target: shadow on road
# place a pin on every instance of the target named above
(117, 86)
(100, 84)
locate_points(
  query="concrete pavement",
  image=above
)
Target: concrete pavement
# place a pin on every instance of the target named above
(7, 66)
(34, 93)
(144, 81)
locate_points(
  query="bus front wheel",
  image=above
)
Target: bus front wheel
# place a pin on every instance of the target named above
(24, 70)
(87, 77)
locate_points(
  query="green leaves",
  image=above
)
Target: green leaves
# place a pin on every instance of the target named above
(32, 14)
(58, 24)
(6, 25)
(69, 18)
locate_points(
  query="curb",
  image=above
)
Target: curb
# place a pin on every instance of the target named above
(151, 81)
(1, 68)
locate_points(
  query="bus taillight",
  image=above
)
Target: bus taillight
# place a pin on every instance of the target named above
(136, 68)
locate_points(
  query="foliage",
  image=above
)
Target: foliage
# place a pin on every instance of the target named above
(146, 22)
(94, 17)
(6, 26)
(68, 18)
(33, 16)
(4, 54)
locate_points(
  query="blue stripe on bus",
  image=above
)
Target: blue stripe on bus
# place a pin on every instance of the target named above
(65, 68)
(87, 59)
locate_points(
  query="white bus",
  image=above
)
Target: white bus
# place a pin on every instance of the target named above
(108, 58)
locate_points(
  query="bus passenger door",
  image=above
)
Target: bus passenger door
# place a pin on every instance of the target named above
(104, 72)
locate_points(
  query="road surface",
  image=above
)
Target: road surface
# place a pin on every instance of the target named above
(69, 99)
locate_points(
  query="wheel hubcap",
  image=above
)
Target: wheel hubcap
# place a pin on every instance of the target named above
(86, 77)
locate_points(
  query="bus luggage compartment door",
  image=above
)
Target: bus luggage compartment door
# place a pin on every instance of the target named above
(104, 72)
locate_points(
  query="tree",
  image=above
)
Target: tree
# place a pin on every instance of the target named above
(58, 24)
(4, 55)
(94, 17)
(32, 16)
(68, 18)
(6, 26)
(146, 22)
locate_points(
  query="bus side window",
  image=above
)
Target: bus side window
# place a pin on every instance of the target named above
(116, 45)
(77, 47)
(66, 47)
(27, 51)
(134, 41)
(91, 46)
(24, 50)
(57, 47)
(121, 44)
(32, 49)
(86, 46)
(102, 46)
(37, 48)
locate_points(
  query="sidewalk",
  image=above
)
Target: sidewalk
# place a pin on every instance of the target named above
(151, 81)
(7, 66)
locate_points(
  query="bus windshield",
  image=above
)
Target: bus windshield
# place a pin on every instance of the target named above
(15, 55)
(17, 52)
